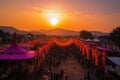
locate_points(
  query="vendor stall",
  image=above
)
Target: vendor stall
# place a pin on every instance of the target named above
(16, 60)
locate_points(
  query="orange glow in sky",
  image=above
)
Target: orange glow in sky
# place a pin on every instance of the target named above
(95, 15)
(53, 17)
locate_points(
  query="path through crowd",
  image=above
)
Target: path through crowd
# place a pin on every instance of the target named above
(72, 70)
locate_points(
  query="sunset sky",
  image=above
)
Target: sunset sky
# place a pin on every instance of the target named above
(99, 15)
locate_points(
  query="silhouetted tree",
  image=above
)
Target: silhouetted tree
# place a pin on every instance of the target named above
(86, 34)
(7, 34)
(2, 34)
(31, 36)
(8, 38)
(115, 36)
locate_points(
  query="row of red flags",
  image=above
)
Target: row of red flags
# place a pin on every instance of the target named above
(83, 46)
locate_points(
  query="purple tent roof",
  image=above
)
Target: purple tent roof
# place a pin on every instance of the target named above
(15, 49)
(16, 56)
(15, 52)
(106, 49)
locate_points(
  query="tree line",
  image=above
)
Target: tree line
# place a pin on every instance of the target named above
(84, 34)
(114, 35)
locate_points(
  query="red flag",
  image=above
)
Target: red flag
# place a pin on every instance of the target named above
(104, 58)
(87, 51)
(96, 57)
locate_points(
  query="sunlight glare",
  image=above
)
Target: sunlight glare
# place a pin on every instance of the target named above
(54, 18)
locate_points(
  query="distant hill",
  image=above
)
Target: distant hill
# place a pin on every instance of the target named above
(11, 30)
(57, 31)
(38, 31)
(61, 32)
(98, 33)
(64, 32)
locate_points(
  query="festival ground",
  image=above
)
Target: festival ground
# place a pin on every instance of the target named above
(72, 69)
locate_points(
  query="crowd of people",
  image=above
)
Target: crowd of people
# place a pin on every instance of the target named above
(58, 55)
(55, 53)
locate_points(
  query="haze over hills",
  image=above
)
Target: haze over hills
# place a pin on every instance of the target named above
(57, 31)
(63, 32)
(11, 30)
(98, 33)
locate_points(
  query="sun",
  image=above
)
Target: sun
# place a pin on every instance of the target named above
(54, 21)
(53, 18)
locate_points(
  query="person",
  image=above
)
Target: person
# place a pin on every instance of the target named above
(88, 76)
(66, 77)
(85, 77)
(61, 74)
(52, 76)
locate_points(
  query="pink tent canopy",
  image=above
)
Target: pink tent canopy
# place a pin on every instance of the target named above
(15, 49)
(15, 52)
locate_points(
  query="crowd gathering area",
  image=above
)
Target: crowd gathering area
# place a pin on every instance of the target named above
(58, 59)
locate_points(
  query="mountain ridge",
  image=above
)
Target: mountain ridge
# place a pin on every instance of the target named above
(11, 30)
(57, 31)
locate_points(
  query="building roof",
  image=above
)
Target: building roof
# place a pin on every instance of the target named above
(115, 60)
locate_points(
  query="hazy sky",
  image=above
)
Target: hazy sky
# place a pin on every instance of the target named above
(100, 15)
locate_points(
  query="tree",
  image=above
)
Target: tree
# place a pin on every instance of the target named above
(2, 34)
(7, 34)
(115, 36)
(86, 34)
(8, 37)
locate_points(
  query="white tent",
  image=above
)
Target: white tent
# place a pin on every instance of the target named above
(88, 40)
(96, 40)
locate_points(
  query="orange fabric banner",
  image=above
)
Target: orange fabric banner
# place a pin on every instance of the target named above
(104, 58)
(96, 57)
